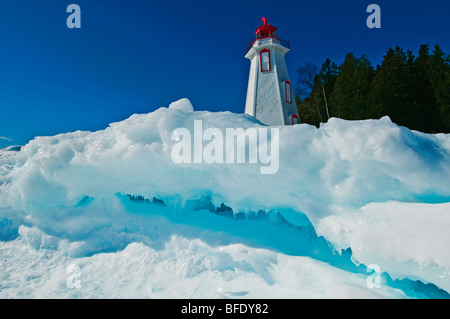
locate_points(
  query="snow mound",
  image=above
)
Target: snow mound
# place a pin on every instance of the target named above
(372, 186)
(182, 105)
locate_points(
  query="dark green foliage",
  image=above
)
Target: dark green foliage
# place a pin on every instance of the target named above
(349, 96)
(313, 108)
(393, 89)
(412, 91)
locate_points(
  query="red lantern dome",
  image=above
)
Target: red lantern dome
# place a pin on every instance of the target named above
(266, 30)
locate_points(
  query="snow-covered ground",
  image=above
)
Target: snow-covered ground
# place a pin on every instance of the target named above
(69, 229)
(183, 268)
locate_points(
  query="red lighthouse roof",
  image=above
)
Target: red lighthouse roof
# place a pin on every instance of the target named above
(266, 30)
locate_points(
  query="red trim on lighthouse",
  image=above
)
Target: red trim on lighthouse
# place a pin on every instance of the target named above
(265, 68)
(294, 116)
(265, 30)
(288, 92)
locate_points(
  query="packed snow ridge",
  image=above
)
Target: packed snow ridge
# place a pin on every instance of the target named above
(371, 189)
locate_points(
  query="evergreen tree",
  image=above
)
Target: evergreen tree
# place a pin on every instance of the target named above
(427, 117)
(352, 85)
(439, 77)
(414, 92)
(391, 90)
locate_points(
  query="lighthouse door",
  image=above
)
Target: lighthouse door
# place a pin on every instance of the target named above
(293, 118)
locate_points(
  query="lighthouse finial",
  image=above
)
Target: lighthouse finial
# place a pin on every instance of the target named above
(264, 20)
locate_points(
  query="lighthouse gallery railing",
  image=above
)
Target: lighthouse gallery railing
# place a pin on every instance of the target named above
(279, 41)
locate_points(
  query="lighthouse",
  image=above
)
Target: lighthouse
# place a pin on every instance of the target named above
(269, 94)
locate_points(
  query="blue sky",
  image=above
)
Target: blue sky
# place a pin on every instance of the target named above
(136, 56)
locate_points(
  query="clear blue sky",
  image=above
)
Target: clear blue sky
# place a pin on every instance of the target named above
(138, 55)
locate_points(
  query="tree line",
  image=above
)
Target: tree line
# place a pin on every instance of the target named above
(413, 91)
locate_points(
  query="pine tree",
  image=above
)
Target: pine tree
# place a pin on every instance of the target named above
(349, 97)
(427, 117)
(439, 77)
(391, 90)
(414, 92)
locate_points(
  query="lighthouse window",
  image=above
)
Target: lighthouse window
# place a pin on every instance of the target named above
(288, 92)
(265, 60)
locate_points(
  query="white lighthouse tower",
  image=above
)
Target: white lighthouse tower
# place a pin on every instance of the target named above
(269, 93)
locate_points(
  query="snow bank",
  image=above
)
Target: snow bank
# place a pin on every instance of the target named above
(370, 185)
(183, 268)
(406, 239)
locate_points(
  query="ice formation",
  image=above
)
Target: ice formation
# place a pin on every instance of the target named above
(116, 195)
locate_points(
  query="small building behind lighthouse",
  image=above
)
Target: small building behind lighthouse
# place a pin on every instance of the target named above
(269, 94)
